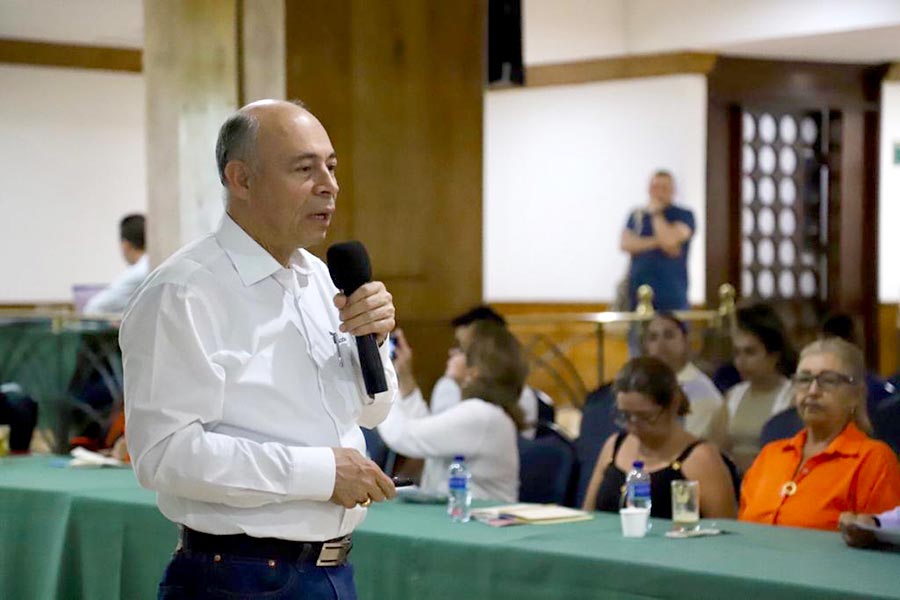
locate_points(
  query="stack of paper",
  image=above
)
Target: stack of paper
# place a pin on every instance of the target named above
(534, 514)
(84, 458)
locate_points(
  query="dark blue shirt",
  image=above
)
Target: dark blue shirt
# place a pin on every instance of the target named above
(665, 274)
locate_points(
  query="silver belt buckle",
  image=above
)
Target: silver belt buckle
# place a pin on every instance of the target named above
(334, 554)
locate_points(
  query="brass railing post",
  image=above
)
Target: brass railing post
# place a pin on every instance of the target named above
(725, 318)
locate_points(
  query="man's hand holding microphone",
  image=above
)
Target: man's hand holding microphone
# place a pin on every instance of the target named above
(366, 311)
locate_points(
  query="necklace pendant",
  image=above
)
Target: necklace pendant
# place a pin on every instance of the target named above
(788, 489)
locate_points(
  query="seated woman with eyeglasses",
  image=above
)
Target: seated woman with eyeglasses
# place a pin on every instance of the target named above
(649, 405)
(832, 465)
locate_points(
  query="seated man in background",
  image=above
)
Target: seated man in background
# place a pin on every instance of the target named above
(536, 405)
(92, 390)
(115, 296)
(666, 338)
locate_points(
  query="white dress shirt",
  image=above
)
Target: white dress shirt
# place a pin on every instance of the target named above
(708, 418)
(446, 393)
(236, 391)
(890, 519)
(114, 297)
(480, 431)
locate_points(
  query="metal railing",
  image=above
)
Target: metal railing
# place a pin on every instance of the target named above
(551, 356)
(45, 349)
(59, 318)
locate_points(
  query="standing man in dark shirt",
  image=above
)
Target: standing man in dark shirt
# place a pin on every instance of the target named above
(658, 238)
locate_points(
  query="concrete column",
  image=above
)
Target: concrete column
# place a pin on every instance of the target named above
(190, 69)
(263, 54)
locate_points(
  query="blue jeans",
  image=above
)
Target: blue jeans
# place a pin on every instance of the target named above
(201, 576)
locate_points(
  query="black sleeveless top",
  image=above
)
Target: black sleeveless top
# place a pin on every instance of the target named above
(613, 484)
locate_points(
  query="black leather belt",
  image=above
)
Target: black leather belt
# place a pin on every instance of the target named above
(332, 553)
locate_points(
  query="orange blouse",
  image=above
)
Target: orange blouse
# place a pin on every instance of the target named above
(854, 473)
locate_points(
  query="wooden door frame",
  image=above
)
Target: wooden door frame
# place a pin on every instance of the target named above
(853, 89)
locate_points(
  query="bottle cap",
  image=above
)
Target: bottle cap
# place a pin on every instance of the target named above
(459, 458)
(638, 464)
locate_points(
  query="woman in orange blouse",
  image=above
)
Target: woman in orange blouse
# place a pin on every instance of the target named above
(831, 466)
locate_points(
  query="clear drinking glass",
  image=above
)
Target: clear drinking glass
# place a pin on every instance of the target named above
(685, 505)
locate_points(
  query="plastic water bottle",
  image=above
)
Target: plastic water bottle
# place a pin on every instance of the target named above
(459, 498)
(637, 487)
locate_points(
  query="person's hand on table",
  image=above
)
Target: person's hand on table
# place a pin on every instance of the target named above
(850, 525)
(120, 450)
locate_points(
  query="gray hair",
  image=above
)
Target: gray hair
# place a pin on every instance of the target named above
(237, 138)
(237, 141)
(851, 358)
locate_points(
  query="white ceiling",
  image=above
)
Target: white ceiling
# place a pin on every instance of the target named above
(826, 30)
(862, 46)
(120, 23)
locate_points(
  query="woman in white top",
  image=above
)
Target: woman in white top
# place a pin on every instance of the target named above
(666, 338)
(484, 427)
(762, 355)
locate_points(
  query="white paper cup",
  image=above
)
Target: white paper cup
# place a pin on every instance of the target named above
(634, 521)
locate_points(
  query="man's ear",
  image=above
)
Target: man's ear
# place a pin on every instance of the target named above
(237, 176)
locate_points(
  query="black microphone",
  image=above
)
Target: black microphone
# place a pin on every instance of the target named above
(348, 264)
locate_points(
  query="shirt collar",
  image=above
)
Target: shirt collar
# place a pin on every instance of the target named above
(253, 262)
(847, 442)
(687, 373)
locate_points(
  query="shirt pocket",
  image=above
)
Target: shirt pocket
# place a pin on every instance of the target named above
(341, 375)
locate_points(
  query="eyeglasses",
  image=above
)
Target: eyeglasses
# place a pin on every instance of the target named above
(622, 418)
(826, 380)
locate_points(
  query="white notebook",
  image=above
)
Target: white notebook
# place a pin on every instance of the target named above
(536, 514)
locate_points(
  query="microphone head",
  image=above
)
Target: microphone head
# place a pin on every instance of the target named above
(349, 266)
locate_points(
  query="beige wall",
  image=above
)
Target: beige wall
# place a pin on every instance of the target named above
(72, 156)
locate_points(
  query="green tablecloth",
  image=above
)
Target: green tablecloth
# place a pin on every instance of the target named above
(94, 534)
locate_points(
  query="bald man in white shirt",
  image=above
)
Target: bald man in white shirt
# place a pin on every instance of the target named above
(243, 392)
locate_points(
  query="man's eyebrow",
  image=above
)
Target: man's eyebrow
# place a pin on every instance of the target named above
(312, 156)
